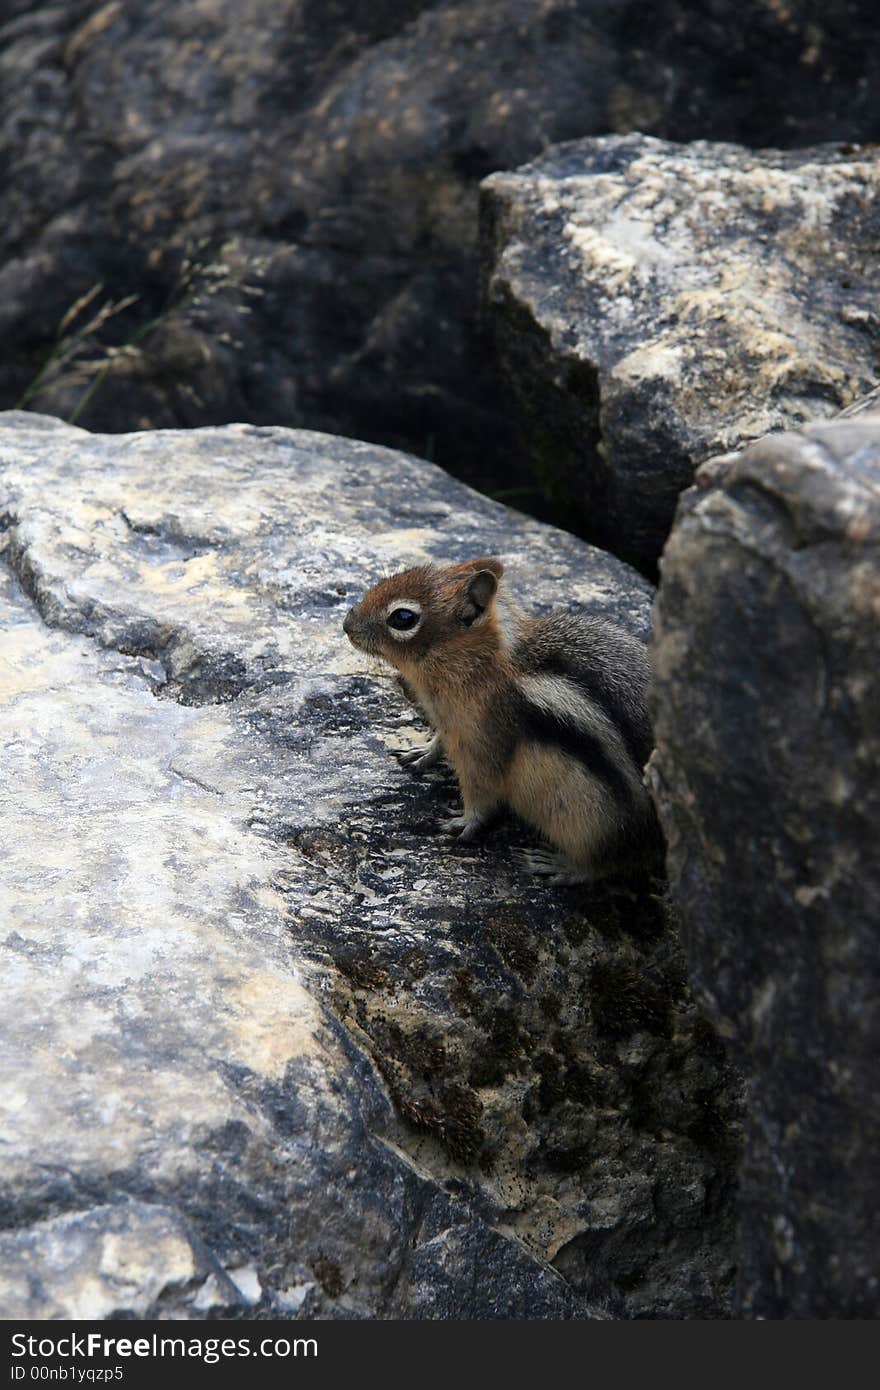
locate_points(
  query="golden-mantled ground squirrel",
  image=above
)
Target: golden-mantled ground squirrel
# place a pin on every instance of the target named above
(545, 715)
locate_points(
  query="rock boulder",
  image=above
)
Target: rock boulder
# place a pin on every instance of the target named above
(655, 304)
(270, 1043)
(281, 194)
(767, 711)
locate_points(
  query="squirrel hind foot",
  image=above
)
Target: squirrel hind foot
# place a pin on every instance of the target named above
(546, 863)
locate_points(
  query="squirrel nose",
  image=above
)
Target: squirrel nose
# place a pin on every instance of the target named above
(347, 624)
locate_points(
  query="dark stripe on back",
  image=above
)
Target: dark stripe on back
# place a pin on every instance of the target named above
(637, 737)
(542, 726)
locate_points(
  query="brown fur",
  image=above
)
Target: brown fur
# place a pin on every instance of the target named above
(470, 661)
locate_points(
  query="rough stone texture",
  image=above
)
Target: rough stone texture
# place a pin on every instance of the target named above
(768, 730)
(278, 1030)
(656, 304)
(327, 153)
(133, 1258)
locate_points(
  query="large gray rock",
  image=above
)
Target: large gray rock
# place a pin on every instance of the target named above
(271, 1043)
(655, 304)
(767, 774)
(327, 154)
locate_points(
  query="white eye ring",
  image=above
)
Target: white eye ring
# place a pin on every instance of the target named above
(401, 634)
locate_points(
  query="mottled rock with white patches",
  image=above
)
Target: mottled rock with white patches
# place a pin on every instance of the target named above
(657, 304)
(767, 715)
(130, 1259)
(254, 1003)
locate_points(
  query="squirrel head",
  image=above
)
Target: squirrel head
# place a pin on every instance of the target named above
(414, 614)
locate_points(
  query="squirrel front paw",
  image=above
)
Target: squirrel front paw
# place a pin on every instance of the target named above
(465, 826)
(420, 758)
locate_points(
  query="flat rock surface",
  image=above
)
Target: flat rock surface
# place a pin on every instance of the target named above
(270, 1042)
(656, 304)
(767, 717)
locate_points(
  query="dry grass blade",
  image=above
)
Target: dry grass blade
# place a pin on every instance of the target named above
(68, 345)
(106, 311)
(76, 309)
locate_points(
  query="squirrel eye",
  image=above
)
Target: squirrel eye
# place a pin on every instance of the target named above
(403, 619)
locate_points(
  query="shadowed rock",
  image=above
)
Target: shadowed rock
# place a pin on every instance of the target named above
(767, 712)
(656, 304)
(288, 188)
(323, 1061)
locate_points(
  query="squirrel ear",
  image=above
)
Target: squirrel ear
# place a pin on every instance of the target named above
(479, 592)
(488, 563)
